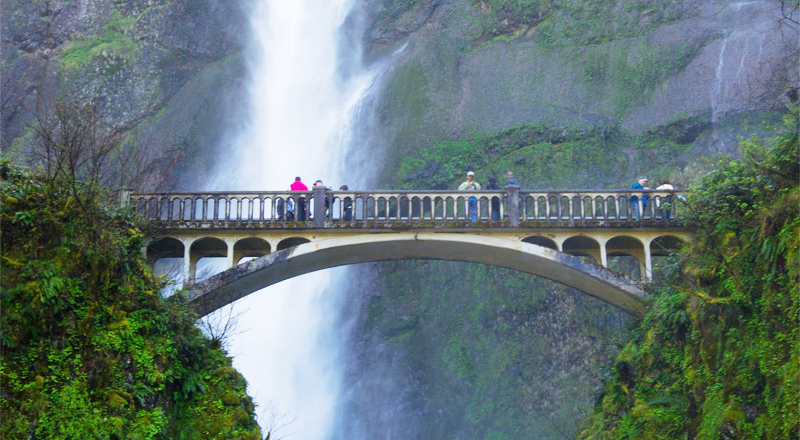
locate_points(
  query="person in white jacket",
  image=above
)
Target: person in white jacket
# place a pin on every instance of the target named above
(471, 184)
(664, 204)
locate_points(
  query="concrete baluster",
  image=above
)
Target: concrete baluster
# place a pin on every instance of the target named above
(319, 206)
(582, 202)
(640, 207)
(512, 196)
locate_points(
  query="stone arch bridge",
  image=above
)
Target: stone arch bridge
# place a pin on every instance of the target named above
(268, 237)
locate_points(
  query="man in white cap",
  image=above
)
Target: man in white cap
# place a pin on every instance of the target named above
(471, 184)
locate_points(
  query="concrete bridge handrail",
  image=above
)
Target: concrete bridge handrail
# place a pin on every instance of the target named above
(511, 204)
(242, 280)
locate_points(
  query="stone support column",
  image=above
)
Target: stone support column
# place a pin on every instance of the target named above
(512, 202)
(124, 197)
(647, 276)
(603, 253)
(188, 266)
(230, 261)
(319, 206)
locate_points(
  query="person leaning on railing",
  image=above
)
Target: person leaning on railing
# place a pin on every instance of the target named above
(495, 200)
(347, 204)
(639, 184)
(664, 204)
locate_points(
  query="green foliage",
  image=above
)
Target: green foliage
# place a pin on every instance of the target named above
(90, 348)
(114, 45)
(503, 17)
(632, 72)
(718, 355)
(540, 155)
(575, 22)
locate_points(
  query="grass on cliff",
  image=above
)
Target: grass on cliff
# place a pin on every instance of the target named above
(718, 356)
(90, 348)
(114, 45)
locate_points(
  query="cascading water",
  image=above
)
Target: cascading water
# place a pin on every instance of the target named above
(300, 123)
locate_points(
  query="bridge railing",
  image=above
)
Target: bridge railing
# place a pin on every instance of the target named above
(509, 206)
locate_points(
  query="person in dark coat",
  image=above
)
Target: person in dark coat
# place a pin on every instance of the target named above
(510, 180)
(495, 199)
(347, 203)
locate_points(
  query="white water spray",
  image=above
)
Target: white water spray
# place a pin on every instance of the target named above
(300, 123)
(718, 85)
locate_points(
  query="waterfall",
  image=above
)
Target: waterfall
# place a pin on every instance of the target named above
(301, 113)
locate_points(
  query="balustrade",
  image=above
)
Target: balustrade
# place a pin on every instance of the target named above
(325, 208)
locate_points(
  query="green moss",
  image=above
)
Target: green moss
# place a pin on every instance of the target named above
(714, 357)
(114, 45)
(629, 73)
(540, 155)
(90, 349)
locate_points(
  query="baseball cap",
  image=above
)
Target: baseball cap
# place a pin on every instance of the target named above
(642, 178)
(470, 173)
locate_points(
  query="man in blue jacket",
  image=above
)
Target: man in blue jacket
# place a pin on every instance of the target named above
(639, 184)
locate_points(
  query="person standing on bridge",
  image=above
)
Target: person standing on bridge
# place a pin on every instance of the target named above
(510, 180)
(471, 185)
(665, 204)
(639, 184)
(495, 199)
(347, 204)
(298, 185)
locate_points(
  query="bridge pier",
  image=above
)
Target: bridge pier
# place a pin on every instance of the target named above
(188, 267)
(603, 253)
(230, 257)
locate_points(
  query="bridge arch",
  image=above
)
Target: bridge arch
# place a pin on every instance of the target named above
(250, 247)
(541, 241)
(286, 243)
(664, 245)
(582, 246)
(206, 247)
(249, 277)
(165, 247)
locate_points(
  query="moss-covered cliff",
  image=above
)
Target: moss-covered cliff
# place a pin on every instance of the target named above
(718, 356)
(695, 70)
(567, 95)
(90, 347)
(169, 71)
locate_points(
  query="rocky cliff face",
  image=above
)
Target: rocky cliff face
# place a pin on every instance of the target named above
(574, 95)
(172, 69)
(470, 67)
(567, 94)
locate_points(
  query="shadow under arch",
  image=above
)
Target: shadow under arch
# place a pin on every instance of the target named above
(541, 241)
(240, 281)
(165, 247)
(287, 243)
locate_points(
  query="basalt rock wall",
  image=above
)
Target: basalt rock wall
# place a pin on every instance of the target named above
(569, 95)
(170, 69)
